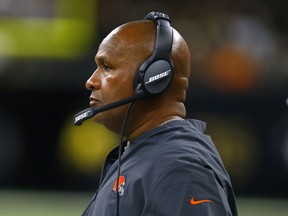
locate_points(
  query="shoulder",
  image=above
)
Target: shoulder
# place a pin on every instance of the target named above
(179, 148)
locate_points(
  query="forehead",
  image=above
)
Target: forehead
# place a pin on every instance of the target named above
(128, 41)
(111, 47)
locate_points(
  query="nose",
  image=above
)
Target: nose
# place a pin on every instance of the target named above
(93, 83)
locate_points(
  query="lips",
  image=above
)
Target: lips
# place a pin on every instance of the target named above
(93, 101)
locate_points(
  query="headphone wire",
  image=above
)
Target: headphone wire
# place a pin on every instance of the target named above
(119, 156)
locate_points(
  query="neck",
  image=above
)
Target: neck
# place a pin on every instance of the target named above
(148, 125)
(146, 116)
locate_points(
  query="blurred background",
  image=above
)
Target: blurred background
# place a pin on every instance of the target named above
(239, 86)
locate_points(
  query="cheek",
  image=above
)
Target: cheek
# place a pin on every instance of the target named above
(121, 88)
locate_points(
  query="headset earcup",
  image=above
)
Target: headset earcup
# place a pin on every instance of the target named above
(157, 77)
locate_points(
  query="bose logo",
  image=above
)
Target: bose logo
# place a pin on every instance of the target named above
(158, 76)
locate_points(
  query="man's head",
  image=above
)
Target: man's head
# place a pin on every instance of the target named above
(118, 58)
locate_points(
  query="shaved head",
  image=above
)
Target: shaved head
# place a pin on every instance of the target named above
(140, 36)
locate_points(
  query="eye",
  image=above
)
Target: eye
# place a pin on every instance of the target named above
(106, 67)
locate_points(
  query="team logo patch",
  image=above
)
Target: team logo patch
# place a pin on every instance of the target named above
(121, 185)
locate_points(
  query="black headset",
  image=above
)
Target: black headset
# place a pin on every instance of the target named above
(155, 73)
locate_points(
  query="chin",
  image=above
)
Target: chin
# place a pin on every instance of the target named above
(98, 119)
(111, 119)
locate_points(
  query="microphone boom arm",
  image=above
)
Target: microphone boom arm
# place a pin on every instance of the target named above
(82, 116)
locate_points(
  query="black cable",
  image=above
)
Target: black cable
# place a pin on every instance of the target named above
(119, 157)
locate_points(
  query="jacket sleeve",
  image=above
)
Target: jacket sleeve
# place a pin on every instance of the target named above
(188, 189)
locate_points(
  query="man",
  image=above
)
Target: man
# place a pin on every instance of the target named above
(169, 166)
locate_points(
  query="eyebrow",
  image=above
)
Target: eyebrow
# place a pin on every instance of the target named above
(100, 58)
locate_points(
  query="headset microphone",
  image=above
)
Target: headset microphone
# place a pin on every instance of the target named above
(80, 117)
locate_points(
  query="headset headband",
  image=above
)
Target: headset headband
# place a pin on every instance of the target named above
(155, 74)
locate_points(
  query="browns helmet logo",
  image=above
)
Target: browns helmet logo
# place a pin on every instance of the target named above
(121, 184)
